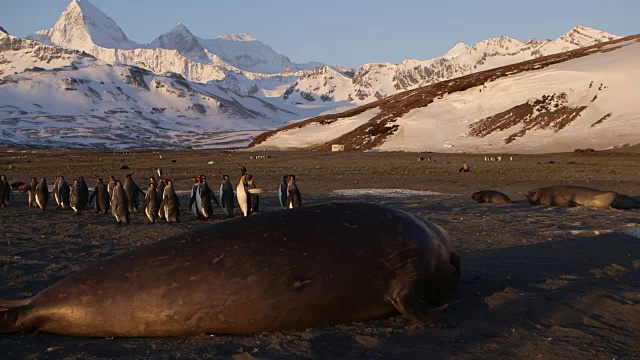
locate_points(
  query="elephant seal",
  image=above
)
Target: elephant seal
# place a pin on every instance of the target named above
(259, 273)
(569, 195)
(491, 196)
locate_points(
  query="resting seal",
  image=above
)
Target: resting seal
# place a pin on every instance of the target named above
(260, 273)
(568, 195)
(491, 196)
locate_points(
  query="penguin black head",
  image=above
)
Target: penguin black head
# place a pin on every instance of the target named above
(33, 178)
(80, 178)
(225, 177)
(43, 179)
(128, 176)
(292, 177)
(112, 178)
(285, 178)
(75, 181)
(100, 181)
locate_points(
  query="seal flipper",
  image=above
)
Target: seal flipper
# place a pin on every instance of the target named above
(10, 320)
(411, 306)
(6, 304)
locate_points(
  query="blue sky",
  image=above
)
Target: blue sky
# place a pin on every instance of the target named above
(344, 32)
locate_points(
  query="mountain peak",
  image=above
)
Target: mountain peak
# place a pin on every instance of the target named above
(237, 37)
(181, 39)
(458, 49)
(82, 26)
(2, 30)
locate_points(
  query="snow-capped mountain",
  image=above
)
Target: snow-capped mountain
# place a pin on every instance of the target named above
(67, 98)
(581, 98)
(266, 89)
(375, 81)
(246, 53)
(83, 26)
(250, 67)
(181, 39)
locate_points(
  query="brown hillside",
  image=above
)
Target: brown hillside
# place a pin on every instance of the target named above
(374, 133)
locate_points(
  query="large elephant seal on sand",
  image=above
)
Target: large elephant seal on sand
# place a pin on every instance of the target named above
(319, 265)
(568, 195)
(491, 196)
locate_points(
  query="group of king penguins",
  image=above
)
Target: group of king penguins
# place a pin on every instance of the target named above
(247, 194)
(160, 200)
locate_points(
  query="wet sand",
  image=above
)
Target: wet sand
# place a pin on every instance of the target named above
(537, 282)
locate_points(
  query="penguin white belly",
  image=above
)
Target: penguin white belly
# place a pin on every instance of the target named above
(38, 202)
(146, 211)
(242, 199)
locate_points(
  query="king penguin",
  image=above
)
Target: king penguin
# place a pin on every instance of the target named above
(206, 196)
(100, 192)
(6, 190)
(294, 199)
(119, 204)
(84, 193)
(152, 203)
(42, 194)
(75, 197)
(282, 191)
(110, 185)
(32, 192)
(226, 196)
(63, 193)
(195, 204)
(255, 198)
(171, 203)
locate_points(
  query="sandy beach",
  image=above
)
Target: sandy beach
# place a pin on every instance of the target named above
(537, 282)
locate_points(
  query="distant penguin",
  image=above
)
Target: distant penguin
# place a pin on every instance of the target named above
(255, 198)
(161, 186)
(101, 193)
(119, 204)
(171, 203)
(56, 192)
(282, 191)
(152, 203)
(6, 190)
(32, 193)
(2, 194)
(159, 172)
(63, 193)
(294, 199)
(75, 197)
(195, 203)
(465, 167)
(110, 185)
(152, 180)
(84, 193)
(226, 196)
(132, 190)
(206, 196)
(160, 189)
(42, 194)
